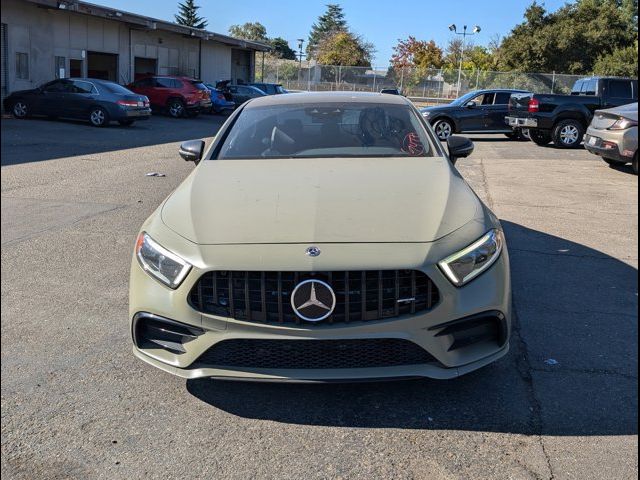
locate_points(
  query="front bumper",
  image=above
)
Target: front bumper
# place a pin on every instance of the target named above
(521, 122)
(489, 292)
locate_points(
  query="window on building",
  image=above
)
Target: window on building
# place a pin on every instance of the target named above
(22, 65)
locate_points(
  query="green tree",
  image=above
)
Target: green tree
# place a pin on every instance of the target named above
(416, 54)
(331, 22)
(188, 15)
(571, 39)
(622, 62)
(345, 49)
(281, 49)
(253, 31)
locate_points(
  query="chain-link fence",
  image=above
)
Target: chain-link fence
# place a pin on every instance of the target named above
(427, 84)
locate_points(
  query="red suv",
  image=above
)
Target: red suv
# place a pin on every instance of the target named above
(179, 96)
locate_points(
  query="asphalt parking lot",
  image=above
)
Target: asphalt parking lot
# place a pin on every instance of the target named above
(77, 404)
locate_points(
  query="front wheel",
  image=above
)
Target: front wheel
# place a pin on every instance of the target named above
(443, 129)
(634, 163)
(568, 134)
(540, 138)
(98, 117)
(20, 109)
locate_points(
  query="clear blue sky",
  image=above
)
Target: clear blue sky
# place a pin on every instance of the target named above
(380, 22)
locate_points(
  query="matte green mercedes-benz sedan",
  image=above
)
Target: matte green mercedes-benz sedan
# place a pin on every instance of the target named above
(321, 237)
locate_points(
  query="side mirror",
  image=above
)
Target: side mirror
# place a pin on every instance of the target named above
(459, 147)
(471, 105)
(191, 150)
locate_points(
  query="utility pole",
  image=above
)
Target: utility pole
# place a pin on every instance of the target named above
(464, 34)
(300, 54)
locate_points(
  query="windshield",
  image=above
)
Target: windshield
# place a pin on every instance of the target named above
(327, 130)
(464, 99)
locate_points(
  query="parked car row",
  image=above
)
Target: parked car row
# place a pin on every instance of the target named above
(611, 133)
(101, 102)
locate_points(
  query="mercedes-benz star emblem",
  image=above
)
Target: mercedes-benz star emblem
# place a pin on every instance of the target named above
(313, 251)
(313, 300)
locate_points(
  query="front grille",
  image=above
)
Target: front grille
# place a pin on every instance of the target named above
(360, 295)
(315, 354)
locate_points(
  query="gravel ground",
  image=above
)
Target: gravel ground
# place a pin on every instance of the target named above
(77, 404)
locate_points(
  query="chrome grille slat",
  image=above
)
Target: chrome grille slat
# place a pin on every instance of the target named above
(361, 296)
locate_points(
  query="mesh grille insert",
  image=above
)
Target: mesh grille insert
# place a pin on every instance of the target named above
(315, 354)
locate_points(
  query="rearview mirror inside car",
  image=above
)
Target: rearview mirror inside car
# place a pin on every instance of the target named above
(459, 147)
(191, 150)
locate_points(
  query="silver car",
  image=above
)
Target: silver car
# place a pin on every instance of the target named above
(613, 135)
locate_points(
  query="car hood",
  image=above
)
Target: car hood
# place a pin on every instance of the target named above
(325, 200)
(437, 108)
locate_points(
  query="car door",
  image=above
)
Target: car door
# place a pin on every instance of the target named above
(165, 88)
(471, 116)
(52, 100)
(494, 114)
(81, 98)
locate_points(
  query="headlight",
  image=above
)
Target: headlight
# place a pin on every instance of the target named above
(467, 264)
(159, 262)
(623, 124)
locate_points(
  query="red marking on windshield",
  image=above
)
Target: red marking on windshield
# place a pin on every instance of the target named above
(412, 144)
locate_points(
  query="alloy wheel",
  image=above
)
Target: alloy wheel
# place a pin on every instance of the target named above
(20, 109)
(176, 109)
(443, 129)
(569, 134)
(97, 117)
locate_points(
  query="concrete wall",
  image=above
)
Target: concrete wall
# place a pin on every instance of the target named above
(46, 33)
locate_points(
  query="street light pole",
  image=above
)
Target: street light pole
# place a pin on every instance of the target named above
(464, 34)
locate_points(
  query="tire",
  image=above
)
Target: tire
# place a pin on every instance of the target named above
(567, 134)
(98, 117)
(634, 163)
(126, 123)
(526, 135)
(611, 163)
(20, 109)
(176, 108)
(540, 138)
(443, 128)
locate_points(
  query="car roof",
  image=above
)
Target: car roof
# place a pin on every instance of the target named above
(86, 79)
(327, 97)
(485, 90)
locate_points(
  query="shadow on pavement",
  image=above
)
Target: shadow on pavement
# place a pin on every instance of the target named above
(572, 302)
(37, 139)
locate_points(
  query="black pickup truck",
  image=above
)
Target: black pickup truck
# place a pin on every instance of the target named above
(564, 119)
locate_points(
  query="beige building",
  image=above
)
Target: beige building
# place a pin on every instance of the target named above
(46, 39)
